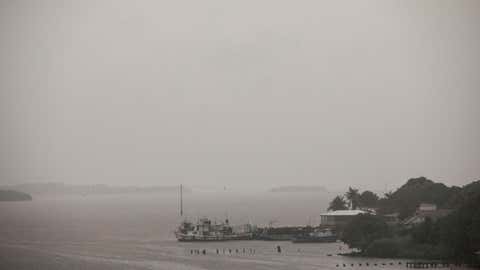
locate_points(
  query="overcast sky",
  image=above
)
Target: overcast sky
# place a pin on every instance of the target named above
(240, 93)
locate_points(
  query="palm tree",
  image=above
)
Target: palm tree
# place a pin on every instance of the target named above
(388, 195)
(352, 196)
(338, 203)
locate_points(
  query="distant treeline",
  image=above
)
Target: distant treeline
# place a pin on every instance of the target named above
(455, 237)
(65, 189)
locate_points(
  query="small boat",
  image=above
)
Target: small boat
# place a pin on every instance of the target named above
(317, 236)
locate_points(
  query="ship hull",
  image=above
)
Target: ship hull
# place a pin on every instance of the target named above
(329, 239)
(277, 237)
(212, 238)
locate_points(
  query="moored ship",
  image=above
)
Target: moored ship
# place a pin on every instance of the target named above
(204, 230)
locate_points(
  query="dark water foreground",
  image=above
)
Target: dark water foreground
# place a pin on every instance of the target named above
(171, 255)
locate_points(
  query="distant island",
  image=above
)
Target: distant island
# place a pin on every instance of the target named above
(299, 189)
(12, 195)
(53, 189)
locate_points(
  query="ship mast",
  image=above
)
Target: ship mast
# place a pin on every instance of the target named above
(181, 200)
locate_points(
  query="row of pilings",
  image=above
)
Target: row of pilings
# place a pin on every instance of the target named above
(252, 251)
(426, 265)
(218, 251)
(439, 265)
(407, 264)
(367, 264)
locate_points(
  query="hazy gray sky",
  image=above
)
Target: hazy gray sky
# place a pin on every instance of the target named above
(240, 93)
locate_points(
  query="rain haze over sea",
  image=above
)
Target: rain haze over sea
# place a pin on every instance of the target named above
(231, 99)
(136, 232)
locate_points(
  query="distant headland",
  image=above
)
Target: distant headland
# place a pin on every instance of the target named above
(55, 189)
(299, 189)
(12, 195)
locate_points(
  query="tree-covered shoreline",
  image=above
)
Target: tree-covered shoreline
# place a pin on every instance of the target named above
(454, 237)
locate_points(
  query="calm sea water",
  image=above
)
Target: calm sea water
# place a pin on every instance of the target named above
(136, 232)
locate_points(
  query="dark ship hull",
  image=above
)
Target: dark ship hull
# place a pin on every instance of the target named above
(212, 238)
(314, 239)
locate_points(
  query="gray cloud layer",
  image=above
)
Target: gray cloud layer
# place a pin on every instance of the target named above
(246, 93)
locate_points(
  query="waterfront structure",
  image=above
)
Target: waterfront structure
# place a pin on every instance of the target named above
(317, 236)
(339, 218)
(285, 233)
(392, 219)
(424, 211)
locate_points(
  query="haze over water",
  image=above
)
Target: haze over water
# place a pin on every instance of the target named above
(136, 232)
(247, 94)
(244, 94)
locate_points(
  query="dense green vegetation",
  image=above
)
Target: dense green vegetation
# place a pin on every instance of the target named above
(12, 195)
(368, 199)
(417, 190)
(455, 237)
(460, 231)
(363, 230)
(355, 199)
(338, 203)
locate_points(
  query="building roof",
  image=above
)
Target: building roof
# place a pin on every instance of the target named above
(434, 214)
(427, 204)
(420, 216)
(344, 213)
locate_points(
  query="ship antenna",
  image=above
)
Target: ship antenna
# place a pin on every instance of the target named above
(181, 200)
